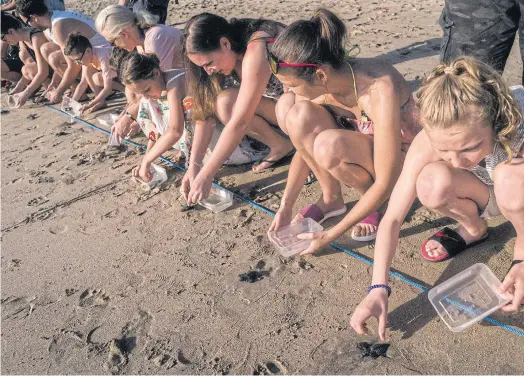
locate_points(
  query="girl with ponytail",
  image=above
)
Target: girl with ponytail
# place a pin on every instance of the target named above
(139, 30)
(230, 79)
(350, 120)
(467, 164)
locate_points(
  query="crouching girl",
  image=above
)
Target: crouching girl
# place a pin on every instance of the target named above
(467, 164)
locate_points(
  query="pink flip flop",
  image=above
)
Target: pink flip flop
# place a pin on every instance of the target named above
(314, 212)
(372, 219)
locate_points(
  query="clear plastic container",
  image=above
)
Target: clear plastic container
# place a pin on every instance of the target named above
(218, 200)
(113, 139)
(13, 101)
(467, 297)
(286, 240)
(107, 120)
(159, 177)
(71, 107)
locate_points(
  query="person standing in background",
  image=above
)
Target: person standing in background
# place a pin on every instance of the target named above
(484, 29)
(156, 7)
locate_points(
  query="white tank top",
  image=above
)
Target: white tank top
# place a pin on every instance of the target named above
(95, 40)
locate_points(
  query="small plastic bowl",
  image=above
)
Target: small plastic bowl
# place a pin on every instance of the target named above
(71, 107)
(468, 297)
(218, 200)
(159, 177)
(286, 240)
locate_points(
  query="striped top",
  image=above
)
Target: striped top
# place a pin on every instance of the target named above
(499, 155)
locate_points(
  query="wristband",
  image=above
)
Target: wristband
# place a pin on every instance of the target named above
(128, 114)
(196, 164)
(380, 287)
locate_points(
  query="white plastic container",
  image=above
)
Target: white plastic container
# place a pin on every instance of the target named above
(13, 101)
(71, 107)
(159, 177)
(218, 200)
(286, 240)
(107, 120)
(468, 297)
(113, 139)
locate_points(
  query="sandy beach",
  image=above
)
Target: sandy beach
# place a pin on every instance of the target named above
(100, 277)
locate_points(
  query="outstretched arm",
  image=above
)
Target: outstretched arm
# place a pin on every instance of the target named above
(420, 154)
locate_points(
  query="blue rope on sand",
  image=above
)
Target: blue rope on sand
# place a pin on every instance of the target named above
(272, 213)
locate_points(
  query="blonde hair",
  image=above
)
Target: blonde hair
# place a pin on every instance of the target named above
(115, 18)
(451, 88)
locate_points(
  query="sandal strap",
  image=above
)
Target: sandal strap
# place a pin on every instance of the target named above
(450, 240)
(372, 219)
(312, 211)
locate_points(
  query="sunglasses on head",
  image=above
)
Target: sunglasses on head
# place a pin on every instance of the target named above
(275, 64)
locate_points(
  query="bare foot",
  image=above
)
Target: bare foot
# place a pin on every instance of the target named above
(272, 158)
(435, 249)
(364, 229)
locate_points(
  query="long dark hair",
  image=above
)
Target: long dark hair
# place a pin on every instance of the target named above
(202, 34)
(319, 40)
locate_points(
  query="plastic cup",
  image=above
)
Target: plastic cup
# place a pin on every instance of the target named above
(13, 101)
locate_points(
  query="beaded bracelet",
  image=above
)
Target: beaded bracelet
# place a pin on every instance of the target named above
(380, 286)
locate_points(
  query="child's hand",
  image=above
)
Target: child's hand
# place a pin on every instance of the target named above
(23, 97)
(188, 179)
(145, 172)
(93, 106)
(54, 96)
(282, 218)
(123, 126)
(514, 285)
(375, 304)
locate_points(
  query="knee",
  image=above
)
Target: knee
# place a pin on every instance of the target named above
(27, 72)
(326, 149)
(56, 59)
(434, 185)
(298, 120)
(98, 80)
(509, 182)
(282, 108)
(47, 49)
(225, 103)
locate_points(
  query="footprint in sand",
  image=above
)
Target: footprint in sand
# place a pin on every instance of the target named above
(117, 357)
(270, 368)
(58, 229)
(37, 201)
(93, 298)
(63, 342)
(17, 307)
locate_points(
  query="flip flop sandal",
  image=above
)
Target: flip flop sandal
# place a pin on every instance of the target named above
(452, 243)
(314, 212)
(311, 178)
(372, 219)
(114, 95)
(276, 162)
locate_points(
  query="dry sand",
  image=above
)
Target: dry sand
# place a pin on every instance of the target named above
(99, 277)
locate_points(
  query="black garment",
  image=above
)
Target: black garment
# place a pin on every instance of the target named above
(156, 7)
(484, 29)
(12, 60)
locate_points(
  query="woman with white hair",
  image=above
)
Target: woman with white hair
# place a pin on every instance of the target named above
(139, 30)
